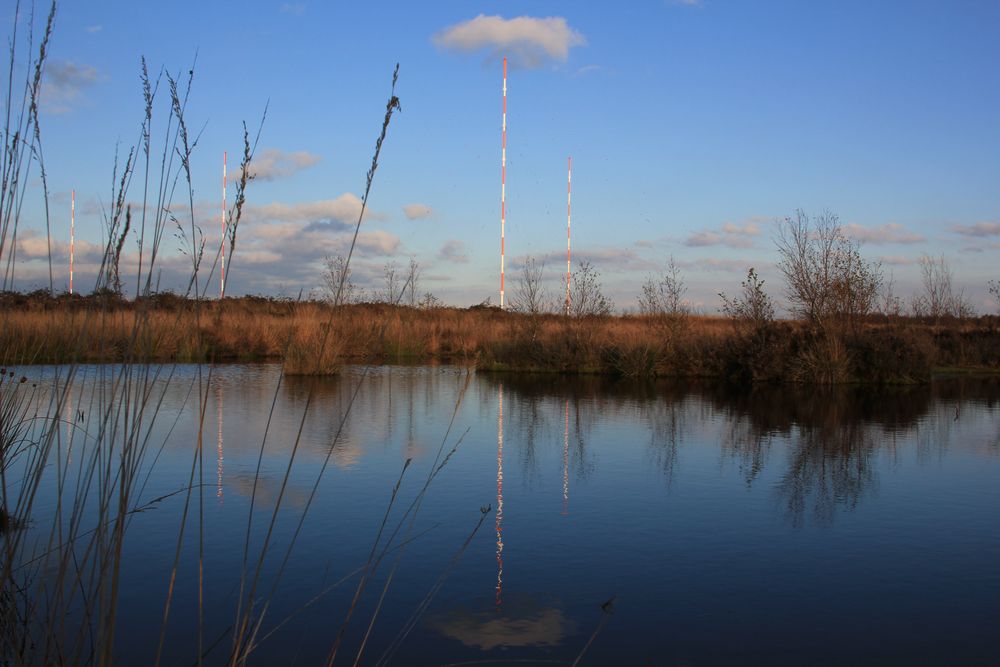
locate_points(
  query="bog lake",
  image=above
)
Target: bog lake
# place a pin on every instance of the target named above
(768, 525)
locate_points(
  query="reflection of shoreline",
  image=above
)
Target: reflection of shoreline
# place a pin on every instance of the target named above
(830, 438)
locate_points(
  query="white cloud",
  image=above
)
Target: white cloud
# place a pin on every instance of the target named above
(33, 245)
(454, 251)
(605, 259)
(292, 253)
(588, 69)
(279, 245)
(94, 28)
(293, 8)
(733, 236)
(717, 264)
(888, 233)
(417, 211)
(339, 213)
(64, 85)
(377, 242)
(529, 42)
(897, 260)
(272, 164)
(980, 229)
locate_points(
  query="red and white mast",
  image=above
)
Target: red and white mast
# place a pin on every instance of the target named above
(72, 235)
(222, 272)
(569, 201)
(503, 177)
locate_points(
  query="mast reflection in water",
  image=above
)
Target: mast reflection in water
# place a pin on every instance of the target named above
(769, 525)
(218, 453)
(499, 514)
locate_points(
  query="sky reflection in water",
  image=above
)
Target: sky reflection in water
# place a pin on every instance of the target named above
(776, 525)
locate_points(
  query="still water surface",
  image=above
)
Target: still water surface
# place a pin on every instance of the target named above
(767, 526)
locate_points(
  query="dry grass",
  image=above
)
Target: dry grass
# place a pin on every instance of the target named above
(257, 329)
(314, 338)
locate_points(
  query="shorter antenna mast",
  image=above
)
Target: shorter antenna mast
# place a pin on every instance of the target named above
(569, 199)
(222, 272)
(72, 234)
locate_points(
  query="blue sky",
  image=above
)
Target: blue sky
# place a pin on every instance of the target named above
(692, 126)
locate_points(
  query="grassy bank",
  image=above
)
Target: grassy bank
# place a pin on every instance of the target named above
(102, 328)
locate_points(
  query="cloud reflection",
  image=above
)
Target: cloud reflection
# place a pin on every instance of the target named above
(488, 630)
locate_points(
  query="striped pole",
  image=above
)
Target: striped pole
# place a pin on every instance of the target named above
(72, 236)
(503, 177)
(569, 199)
(222, 273)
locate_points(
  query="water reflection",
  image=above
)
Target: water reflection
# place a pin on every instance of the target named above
(829, 439)
(529, 627)
(499, 512)
(688, 500)
(565, 478)
(218, 454)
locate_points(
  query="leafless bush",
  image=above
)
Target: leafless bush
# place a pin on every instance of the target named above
(428, 301)
(752, 306)
(587, 297)
(390, 282)
(939, 298)
(664, 295)
(994, 286)
(412, 280)
(827, 281)
(337, 283)
(529, 295)
(889, 304)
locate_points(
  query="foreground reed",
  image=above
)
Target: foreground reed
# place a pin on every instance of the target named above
(78, 447)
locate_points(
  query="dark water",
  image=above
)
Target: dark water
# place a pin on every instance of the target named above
(768, 526)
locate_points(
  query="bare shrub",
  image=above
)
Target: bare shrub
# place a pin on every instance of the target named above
(752, 306)
(587, 297)
(662, 298)
(529, 295)
(412, 280)
(994, 286)
(530, 299)
(337, 284)
(391, 291)
(889, 304)
(827, 281)
(939, 297)
(428, 301)
(664, 295)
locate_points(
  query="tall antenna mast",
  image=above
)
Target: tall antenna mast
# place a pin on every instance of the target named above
(503, 177)
(72, 235)
(222, 273)
(569, 200)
